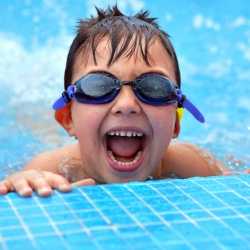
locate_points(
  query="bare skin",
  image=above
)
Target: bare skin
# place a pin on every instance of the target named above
(43, 173)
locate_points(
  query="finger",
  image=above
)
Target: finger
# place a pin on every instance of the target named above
(22, 187)
(84, 182)
(39, 183)
(57, 181)
(227, 172)
(5, 187)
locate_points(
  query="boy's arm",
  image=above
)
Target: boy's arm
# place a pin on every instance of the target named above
(51, 160)
(47, 171)
(187, 160)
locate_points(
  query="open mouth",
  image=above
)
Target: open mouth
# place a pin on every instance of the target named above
(125, 149)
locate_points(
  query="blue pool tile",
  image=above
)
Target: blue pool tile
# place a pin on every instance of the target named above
(139, 208)
(232, 199)
(217, 229)
(116, 190)
(54, 208)
(13, 232)
(141, 241)
(189, 231)
(51, 242)
(133, 221)
(130, 201)
(130, 231)
(37, 229)
(102, 233)
(178, 246)
(112, 244)
(102, 204)
(198, 214)
(69, 226)
(207, 244)
(18, 244)
(235, 243)
(142, 190)
(176, 199)
(121, 220)
(79, 240)
(28, 211)
(96, 223)
(173, 217)
(223, 212)
(188, 205)
(8, 222)
(245, 210)
(7, 213)
(113, 210)
(239, 225)
(146, 218)
(4, 204)
(87, 214)
(245, 192)
(64, 216)
(79, 205)
(72, 197)
(35, 220)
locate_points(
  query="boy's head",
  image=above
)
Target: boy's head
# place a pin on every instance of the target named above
(124, 133)
(126, 35)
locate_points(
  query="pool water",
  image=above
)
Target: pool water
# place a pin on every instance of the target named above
(212, 41)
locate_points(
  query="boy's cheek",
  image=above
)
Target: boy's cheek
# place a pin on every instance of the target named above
(164, 126)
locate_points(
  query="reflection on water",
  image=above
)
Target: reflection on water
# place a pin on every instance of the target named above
(214, 54)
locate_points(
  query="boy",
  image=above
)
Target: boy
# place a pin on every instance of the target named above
(122, 94)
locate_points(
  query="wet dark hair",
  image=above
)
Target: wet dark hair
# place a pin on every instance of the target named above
(126, 34)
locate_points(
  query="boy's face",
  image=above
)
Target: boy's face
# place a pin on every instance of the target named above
(123, 158)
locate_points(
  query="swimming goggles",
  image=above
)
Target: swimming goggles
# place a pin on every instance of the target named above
(150, 88)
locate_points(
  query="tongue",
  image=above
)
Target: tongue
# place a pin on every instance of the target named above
(124, 147)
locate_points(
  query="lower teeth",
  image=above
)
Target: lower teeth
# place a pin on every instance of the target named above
(137, 157)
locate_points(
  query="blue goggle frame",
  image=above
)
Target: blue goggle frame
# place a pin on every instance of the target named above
(101, 88)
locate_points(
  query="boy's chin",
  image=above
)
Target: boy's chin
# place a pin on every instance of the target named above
(124, 177)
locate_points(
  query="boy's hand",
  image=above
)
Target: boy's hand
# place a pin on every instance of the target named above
(24, 182)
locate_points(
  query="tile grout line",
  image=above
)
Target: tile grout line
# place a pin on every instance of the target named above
(85, 229)
(159, 216)
(223, 202)
(22, 223)
(196, 224)
(209, 212)
(98, 210)
(51, 222)
(131, 215)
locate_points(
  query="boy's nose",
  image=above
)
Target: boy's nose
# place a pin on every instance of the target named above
(126, 102)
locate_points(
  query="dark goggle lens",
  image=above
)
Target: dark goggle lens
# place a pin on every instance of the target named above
(101, 88)
(95, 86)
(156, 87)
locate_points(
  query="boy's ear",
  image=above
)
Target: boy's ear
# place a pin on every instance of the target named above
(177, 127)
(63, 117)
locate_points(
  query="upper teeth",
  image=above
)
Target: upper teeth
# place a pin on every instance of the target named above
(125, 133)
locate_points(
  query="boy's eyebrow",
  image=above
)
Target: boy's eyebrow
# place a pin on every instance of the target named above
(156, 72)
(103, 72)
(146, 72)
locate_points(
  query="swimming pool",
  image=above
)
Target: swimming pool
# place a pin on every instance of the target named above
(212, 42)
(213, 48)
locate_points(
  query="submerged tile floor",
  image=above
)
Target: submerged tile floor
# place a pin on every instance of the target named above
(195, 213)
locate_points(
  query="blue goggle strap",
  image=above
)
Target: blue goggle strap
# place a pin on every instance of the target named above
(182, 102)
(185, 103)
(65, 98)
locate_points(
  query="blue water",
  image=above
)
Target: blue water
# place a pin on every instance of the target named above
(212, 41)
